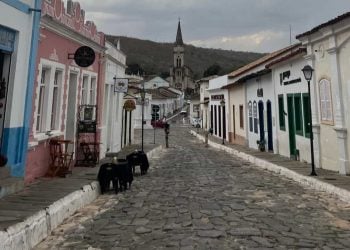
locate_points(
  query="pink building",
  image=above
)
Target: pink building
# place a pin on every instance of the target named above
(61, 86)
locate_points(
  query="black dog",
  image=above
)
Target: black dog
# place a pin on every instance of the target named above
(120, 174)
(138, 158)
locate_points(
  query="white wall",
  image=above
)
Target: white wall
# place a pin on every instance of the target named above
(302, 142)
(264, 82)
(113, 102)
(22, 23)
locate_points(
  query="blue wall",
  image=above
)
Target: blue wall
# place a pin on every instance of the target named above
(15, 140)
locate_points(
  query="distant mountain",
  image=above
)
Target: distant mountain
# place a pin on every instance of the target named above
(156, 58)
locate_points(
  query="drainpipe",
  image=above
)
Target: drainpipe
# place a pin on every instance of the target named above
(30, 81)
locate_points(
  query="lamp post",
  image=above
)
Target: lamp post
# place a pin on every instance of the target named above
(307, 71)
(222, 104)
(142, 93)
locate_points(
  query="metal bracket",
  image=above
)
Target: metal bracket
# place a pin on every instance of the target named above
(71, 56)
(35, 10)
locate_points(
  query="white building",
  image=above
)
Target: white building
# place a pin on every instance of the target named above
(113, 112)
(328, 52)
(291, 105)
(219, 114)
(204, 100)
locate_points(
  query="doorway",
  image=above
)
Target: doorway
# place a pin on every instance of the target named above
(72, 107)
(261, 121)
(269, 126)
(5, 63)
(234, 121)
(291, 126)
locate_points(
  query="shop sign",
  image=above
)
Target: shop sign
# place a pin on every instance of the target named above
(84, 56)
(217, 97)
(129, 105)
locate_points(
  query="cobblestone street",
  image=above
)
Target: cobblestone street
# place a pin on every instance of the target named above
(195, 197)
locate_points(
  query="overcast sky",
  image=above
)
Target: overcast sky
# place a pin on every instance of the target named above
(242, 25)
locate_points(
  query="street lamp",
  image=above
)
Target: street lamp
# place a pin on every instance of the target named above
(143, 94)
(307, 71)
(222, 104)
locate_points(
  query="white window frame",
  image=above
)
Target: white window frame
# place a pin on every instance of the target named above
(47, 102)
(326, 104)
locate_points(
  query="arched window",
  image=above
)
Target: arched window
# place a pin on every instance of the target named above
(326, 106)
(250, 115)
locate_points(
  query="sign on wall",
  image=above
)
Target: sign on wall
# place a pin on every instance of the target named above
(84, 56)
(121, 85)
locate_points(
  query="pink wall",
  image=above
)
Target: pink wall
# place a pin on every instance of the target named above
(50, 44)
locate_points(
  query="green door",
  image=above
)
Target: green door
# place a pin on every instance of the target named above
(291, 126)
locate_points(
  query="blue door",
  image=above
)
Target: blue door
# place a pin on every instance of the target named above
(269, 126)
(261, 121)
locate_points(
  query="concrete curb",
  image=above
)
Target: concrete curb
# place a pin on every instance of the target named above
(303, 180)
(27, 234)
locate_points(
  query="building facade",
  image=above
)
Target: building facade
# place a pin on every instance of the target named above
(218, 103)
(112, 115)
(292, 106)
(61, 86)
(328, 53)
(19, 32)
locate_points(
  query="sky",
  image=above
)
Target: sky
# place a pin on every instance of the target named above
(240, 25)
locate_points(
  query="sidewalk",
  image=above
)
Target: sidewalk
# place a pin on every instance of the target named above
(29, 216)
(326, 181)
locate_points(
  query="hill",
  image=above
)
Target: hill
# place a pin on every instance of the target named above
(156, 58)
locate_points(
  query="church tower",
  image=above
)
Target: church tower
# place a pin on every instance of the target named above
(180, 74)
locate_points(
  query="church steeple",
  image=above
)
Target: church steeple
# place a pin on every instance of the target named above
(179, 35)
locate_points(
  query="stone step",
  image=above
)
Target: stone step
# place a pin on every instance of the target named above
(4, 173)
(10, 185)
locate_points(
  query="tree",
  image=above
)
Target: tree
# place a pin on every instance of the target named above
(212, 70)
(134, 69)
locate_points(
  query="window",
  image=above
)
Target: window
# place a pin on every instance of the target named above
(326, 101)
(306, 110)
(92, 100)
(281, 113)
(49, 100)
(298, 115)
(44, 80)
(241, 119)
(250, 115)
(255, 116)
(55, 110)
(84, 90)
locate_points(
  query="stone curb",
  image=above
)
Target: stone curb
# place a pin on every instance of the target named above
(303, 180)
(28, 233)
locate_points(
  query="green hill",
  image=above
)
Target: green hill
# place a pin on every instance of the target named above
(156, 58)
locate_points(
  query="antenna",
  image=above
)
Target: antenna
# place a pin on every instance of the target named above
(290, 34)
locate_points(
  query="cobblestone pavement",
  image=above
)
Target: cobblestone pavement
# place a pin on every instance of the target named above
(199, 198)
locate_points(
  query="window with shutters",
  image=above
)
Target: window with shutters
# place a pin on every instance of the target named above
(255, 116)
(250, 116)
(326, 108)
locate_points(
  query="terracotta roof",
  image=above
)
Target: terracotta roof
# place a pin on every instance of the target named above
(330, 22)
(260, 61)
(300, 51)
